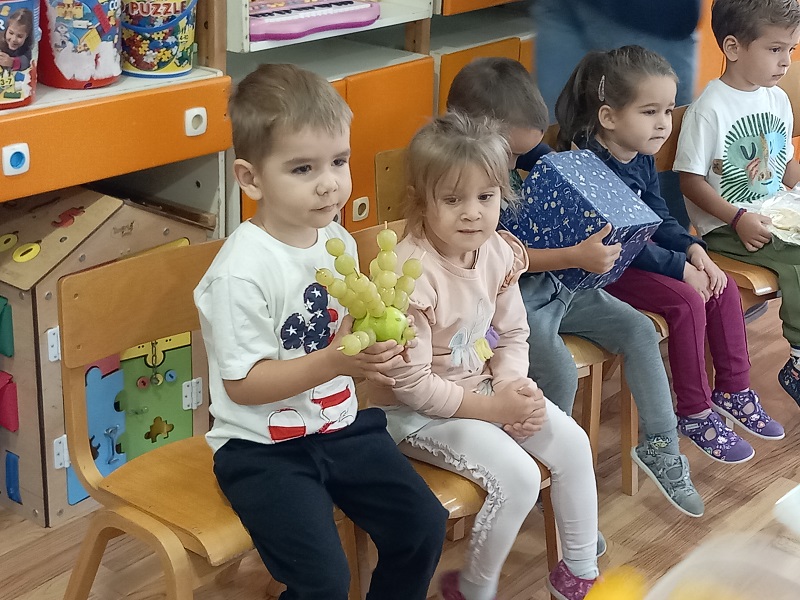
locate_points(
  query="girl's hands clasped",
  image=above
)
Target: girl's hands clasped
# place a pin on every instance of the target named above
(523, 427)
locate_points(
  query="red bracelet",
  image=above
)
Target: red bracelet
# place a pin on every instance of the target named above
(738, 216)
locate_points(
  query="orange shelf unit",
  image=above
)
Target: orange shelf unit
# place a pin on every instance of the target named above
(456, 7)
(78, 142)
(453, 62)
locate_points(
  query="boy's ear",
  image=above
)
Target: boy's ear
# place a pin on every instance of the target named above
(605, 117)
(247, 178)
(730, 48)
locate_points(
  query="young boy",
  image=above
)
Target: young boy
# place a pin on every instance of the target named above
(735, 149)
(289, 441)
(503, 89)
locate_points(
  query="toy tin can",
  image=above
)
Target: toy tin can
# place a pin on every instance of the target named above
(80, 43)
(158, 37)
(19, 43)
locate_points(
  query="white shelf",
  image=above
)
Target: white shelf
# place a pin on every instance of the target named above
(332, 59)
(47, 97)
(457, 32)
(392, 13)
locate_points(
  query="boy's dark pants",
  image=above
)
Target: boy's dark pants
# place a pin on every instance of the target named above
(284, 495)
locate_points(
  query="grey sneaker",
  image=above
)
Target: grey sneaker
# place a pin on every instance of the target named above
(671, 474)
(601, 544)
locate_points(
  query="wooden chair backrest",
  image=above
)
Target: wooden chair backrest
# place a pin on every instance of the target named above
(390, 184)
(110, 308)
(666, 156)
(367, 242)
(790, 83)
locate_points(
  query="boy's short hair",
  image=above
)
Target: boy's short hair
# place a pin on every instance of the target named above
(285, 98)
(500, 88)
(746, 19)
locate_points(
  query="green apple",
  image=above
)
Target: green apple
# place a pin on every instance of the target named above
(389, 326)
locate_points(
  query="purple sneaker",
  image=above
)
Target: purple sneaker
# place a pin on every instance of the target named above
(448, 586)
(745, 409)
(565, 586)
(716, 439)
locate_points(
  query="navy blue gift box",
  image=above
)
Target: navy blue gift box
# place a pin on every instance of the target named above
(567, 197)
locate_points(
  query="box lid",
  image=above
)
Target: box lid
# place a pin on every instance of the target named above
(38, 232)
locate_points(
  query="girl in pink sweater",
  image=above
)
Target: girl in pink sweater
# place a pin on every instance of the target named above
(463, 401)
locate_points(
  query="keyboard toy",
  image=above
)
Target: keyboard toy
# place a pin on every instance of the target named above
(291, 19)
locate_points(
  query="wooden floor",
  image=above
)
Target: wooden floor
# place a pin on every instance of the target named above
(643, 531)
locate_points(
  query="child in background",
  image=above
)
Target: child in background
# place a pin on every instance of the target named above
(503, 89)
(453, 395)
(735, 150)
(288, 439)
(619, 105)
(16, 41)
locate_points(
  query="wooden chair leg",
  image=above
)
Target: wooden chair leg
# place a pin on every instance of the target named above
(590, 413)
(110, 523)
(91, 554)
(629, 418)
(274, 589)
(551, 539)
(456, 529)
(228, 574)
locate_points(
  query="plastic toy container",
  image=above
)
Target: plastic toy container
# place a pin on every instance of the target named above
(19, 49)
(80, 43)
(158, 43)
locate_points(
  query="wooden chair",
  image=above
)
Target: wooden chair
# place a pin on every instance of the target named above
(756, 284)
(589, 358)
(167, 498)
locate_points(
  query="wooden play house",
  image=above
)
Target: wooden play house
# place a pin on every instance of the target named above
(143, 398)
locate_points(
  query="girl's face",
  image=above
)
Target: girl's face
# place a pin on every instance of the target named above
(462, 214)
(16, 34)
(644, 124)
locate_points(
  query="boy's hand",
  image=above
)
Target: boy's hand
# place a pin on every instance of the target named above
(698, 280)
(6, 60)
(752, 230)
(594, 256)
(373, 363)
(717, 279)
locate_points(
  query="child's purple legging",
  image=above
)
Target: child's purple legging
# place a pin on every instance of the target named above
(690, 320)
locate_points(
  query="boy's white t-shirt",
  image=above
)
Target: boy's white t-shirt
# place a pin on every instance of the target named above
(259, 301)
(740, 142)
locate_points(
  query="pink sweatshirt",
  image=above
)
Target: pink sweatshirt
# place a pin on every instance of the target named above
(453, 308)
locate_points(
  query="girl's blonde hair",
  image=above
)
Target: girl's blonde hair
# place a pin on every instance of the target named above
(450, 143)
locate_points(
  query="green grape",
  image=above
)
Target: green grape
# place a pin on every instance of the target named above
(412, 268)
(409, 334)
(405, 284)
(337, 288)
(376, 310)
(387, 239)
(374, 302)
(324, 277)
(400, 299)
(363, 338)
(387, 260)
(360, 285)
(345, 264)
(351, 345)
(358, 309)
(386, 279)
(387, 295)
(350, 279)
(348, 299)
(335, 247)
(374, 269)
(372, 337)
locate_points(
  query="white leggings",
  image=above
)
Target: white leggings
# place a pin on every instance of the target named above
(484, 453)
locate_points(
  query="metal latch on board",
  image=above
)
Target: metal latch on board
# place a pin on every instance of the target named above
(192, 393)
(53, 344)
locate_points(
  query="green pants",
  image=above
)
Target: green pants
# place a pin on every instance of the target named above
(783, 259)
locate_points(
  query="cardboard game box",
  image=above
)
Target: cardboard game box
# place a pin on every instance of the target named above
(567, 197)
